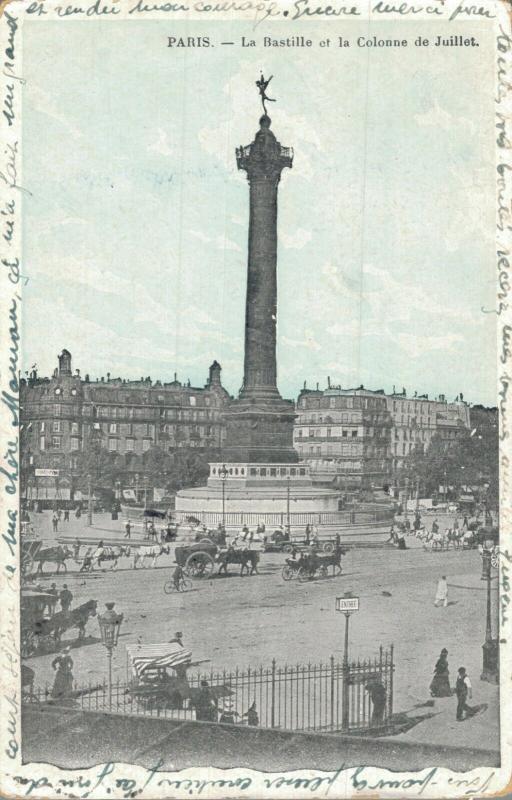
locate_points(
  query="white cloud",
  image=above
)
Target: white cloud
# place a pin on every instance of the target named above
(415, 345)
(296, 240)
(437, 117)
(309, 341)
(160, 144)
(221, 242)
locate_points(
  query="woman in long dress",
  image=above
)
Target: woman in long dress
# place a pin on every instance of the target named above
(440, 686)
(63, 683)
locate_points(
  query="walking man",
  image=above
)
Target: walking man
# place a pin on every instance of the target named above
(55, 522)
(128, 529)
(51, 605)
(441, 592)
(65, 598)
(463, 689)
(66, 515)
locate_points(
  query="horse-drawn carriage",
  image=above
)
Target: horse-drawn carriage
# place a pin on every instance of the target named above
(199, 559)
(159, 677)
(311, 565)
(42, 627)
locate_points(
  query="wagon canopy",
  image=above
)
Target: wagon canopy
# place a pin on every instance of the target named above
(151, 656)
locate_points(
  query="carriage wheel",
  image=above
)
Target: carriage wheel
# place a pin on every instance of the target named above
(494, 561)
(185, 585)
(287, 548)
(328, 547)
(199, 565)
(287, 573)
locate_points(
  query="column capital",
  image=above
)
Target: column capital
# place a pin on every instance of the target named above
(265, 158)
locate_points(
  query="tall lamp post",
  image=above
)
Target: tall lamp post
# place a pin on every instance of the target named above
(110, 624)
(288, 481)
(223, 474)
(490, 647)
(347, 605)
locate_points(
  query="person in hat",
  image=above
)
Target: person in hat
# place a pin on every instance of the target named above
(63, 683)
(377, 694)
(204, 704)
(178, 637)
(228, 713)
(441, 592)
(252, 715)
(440, 686)
(463, 689)
(65, 598)
(52, 603)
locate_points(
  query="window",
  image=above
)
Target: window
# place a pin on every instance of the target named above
(263, 471)
(354, 434)
(293, 471)
(253, 471)
(41, 426)
(41, 443)
(75, 443)
(56, 425)
(328, 432)
(302, 471)
(112, 444)
(332, 402)
(311, 432)
(344, 433)
(130, 444)
(273, 472)
(192, 400)
(300, 433)
(56, 442)
(146, 444)
(112, 428)
(74, 427)
(56, 410)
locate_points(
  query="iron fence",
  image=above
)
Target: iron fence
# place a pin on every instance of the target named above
(297, 519)
(328, 697)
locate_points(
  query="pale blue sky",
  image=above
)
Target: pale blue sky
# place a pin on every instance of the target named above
(135, 234)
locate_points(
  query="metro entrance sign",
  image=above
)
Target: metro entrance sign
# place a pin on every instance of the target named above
(347, 604)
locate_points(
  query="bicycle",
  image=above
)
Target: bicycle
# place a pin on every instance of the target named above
(184, 585)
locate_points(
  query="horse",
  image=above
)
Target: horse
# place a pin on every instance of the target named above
(57, 555)
(111, 554)
(242, 557)
(62, 621)
(154, 552)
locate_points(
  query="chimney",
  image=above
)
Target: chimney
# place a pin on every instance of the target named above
(214, 374)
(65, 363)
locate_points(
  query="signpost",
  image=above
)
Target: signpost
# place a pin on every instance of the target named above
(348, 604)
(47, 473)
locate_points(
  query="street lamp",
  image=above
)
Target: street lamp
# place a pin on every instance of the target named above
(110, 624)
(288, 481)
(223, 475)
(490, 649)
(348, 604)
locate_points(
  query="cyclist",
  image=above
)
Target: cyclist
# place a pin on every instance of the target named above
(177, 577)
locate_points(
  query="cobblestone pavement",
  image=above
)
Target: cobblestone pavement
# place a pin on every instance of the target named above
(246, 621)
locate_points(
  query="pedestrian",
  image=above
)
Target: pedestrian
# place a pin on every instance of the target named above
(66, 515)
(393, 539)
(136, 557)
(465, 523)
(52, 604)
(128, 530)
(55, 522)
(307, 534)
(440, 685)
(463, 688)
(206, 709)
(435, 526)
(65, 598)
(178, 637)
(78, 512)
(76, 549)
(401, 540)
(441, 592)
(63, 683)
(252, 715)
(59, 514)
(377, 694)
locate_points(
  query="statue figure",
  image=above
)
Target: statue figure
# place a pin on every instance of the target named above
(262, 86)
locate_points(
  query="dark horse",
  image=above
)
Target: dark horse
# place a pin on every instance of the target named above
(57, 555)
(64, 620)
(248, 560)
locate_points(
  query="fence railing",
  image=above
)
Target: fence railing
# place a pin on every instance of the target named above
(297, 520)
(328, 697)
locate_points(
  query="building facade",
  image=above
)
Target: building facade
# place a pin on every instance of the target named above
(61, 415)
(344, 433)
(362, 437)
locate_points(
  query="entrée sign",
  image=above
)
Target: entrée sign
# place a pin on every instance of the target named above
(347, 604)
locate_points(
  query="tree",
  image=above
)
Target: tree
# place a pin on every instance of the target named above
(99, 466)
(470, 460)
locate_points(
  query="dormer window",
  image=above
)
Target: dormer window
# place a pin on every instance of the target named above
(58, 390)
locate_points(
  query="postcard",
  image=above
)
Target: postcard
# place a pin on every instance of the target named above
(255, 410)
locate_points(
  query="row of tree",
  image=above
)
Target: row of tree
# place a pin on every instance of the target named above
(471, 462)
